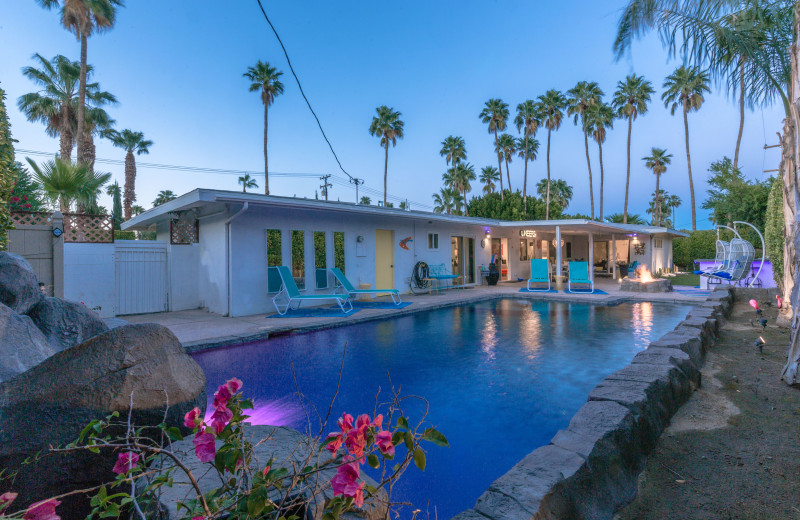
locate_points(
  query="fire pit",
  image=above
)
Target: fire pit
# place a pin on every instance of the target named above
(646, 283)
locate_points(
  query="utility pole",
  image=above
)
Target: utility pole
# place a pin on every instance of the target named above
(357, 182)
(325, 185)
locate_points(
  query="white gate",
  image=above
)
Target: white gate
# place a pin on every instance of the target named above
(141, 278)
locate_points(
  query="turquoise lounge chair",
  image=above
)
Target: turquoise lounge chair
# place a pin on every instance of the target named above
(540, 273)
(440, 273)
(579, 273)
(345, 285)
(291, 294)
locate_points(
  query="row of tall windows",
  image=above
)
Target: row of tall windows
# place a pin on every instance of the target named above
(297, 262)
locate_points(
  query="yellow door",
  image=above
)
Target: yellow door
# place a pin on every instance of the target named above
(384, 259)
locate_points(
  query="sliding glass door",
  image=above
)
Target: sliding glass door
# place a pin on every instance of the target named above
(462, 255)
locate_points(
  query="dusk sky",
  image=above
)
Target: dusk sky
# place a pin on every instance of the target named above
(177, 67)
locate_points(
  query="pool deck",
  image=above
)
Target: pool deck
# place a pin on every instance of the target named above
(198, 329)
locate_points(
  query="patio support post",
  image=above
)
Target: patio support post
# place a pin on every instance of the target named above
(591, 256)
(613, 257)
(558, 251)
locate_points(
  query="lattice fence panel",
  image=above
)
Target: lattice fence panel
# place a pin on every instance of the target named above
(30, 218)
(88, 228)
(184, 232)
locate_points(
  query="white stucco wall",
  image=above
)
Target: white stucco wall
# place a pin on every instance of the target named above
(89, 272)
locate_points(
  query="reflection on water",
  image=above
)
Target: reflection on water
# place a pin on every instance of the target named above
(502, 377)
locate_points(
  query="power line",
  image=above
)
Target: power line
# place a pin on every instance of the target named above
(301, 90)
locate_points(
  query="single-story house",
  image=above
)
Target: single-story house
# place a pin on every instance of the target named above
(220, 246)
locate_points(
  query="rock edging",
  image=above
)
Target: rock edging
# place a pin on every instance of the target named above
(590, 469)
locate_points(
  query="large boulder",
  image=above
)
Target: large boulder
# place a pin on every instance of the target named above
(65, 323)
(19, 287)
(22, 345)
(50, 404)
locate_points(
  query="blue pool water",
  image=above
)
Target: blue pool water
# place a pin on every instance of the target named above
(502, 377)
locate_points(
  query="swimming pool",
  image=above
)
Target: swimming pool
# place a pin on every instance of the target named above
(502, 377)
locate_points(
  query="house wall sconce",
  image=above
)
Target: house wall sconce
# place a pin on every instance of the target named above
(360, 238)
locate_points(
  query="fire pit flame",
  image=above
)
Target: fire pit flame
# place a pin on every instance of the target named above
(645, 276)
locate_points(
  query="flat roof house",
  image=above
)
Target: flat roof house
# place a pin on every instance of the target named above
(222, 244)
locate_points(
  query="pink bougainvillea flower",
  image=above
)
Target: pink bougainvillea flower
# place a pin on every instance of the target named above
(192, 419)
(345, 480)
(359, 496)
(204, 446)
(6, 499)
(378, 422)
(234, 385)
(335, 444)
(265, 471)
(15, 199)
(363, 420)
(384, 442)
(125, 461)
(220, 418)
(222, 396)
(43, 511)
(346, 422)
(356, 441)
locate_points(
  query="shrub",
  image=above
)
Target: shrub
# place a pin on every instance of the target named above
(699, 244)
(774, 230)
(124, 235)
(7, 173)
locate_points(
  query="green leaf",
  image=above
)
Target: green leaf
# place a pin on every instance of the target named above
(409, 440)
(373, 461)
(396, 467)
(402, 422)
(419, 459)
(174, 434)
(434, 436)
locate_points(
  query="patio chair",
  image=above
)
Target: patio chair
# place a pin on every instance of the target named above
(579, 273)
(440, 273)
(540, 273)
(291, 294)
(344, 285)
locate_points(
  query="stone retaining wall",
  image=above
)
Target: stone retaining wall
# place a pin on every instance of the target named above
(590, 469)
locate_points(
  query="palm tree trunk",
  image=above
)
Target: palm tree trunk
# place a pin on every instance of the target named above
(66, 146)
(499, 164)
(547, 199)
(466, 210)
(266, 160)
(602, 177)
(689, 164)
(628, 177)
(385, 172)
(657, 212)
(508, 175)
(589, 164)
(741, 114)
(82, 96)
(88, 153)
(130, 184)
(525, 178)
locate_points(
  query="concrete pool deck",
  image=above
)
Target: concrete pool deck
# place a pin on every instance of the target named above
(198, 329)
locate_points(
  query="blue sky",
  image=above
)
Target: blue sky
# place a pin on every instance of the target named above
(177, 69)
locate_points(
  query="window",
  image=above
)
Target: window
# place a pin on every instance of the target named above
(274, 259)
(338, 250)
(320, 263)
(569, 249)
(658, 243)
(433, 240)
(298, 259)
(523, 249)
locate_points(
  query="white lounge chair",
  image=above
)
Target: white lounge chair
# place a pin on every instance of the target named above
(291, 294)
(345, 285)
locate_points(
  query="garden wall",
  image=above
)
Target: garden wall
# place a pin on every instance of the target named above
(590, 469)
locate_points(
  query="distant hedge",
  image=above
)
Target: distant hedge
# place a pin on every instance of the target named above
(699, 244)
(774, 234)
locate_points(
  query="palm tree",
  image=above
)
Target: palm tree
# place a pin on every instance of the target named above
(133, 143)
(444, 200)
(264, 79)
(619, 218)
(98, 122)
(365, 200)
(657, 161)
(163, 197)
(527, 121)
(489, 175)
(673, 202)
(599, 119)
(560, 192)
(464, 174)
(55, 104)
(630, 100)
(65, 183)
(247, 182)
(453, 150)
(136, 209)
(495, 114)
(551, 107)
(506, 148)
(388, 126)
(684, 88)
(581, 97)
(83, 18)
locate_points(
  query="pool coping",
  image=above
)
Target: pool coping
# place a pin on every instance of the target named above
(590, 469)
(241, 339)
